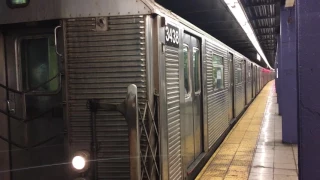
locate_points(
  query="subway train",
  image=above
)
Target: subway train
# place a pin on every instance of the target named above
(110, 89)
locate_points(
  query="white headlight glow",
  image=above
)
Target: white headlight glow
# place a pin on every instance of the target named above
(78, 162)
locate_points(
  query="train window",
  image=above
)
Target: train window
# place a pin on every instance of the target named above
(39, 64)
(186, 70)
(17, 3)
(239, 74)
(218, 72)
(196, 70)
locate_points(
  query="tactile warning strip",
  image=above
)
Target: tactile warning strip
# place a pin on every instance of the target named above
(232, 160)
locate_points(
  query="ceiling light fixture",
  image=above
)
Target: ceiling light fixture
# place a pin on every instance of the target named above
(242, 19)
(289, 3)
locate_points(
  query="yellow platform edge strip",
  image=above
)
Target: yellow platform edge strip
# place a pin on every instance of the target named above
(244, 116)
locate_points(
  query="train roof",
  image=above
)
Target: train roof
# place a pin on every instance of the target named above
(40, 10)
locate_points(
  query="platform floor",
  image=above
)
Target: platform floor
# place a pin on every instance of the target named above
(253, 149)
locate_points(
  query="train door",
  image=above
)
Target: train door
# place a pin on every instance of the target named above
(36, 126)
(245, 69)
(252, 81)
(231, 86)
(257, 80)
(5, 151)
(193, 98)
(260, 79)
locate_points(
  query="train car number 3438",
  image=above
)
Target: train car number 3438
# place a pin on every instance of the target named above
(172, 36)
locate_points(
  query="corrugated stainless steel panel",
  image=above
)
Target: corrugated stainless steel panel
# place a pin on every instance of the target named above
(173, 113)
(239, 87)
(217, 101)
(249, 91)
(240, 98)
(217, 115)
(101, 64)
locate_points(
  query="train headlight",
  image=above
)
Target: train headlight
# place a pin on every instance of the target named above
(80, 161)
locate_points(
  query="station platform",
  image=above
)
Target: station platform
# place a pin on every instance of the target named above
(253, 149)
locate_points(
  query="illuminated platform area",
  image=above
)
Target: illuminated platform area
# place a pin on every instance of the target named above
(253, 149)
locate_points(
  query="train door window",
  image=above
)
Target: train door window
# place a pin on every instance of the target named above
(239, 73)
(186, 70)
(218, 72)
(39, 64)
(196, 70)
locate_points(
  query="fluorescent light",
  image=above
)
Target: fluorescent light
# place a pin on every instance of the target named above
(258, 57)
(242, 19)
(289, 3)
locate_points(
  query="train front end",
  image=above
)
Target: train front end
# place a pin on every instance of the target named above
(78, 98)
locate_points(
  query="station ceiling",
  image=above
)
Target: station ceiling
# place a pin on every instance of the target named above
(214, 17)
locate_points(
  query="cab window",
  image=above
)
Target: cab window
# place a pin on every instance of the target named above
(39, 64)
(17, 3)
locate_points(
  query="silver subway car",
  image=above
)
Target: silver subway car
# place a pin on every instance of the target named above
(107, 89)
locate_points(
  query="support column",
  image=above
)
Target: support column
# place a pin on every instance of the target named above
(288, 73)
(308, 44)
